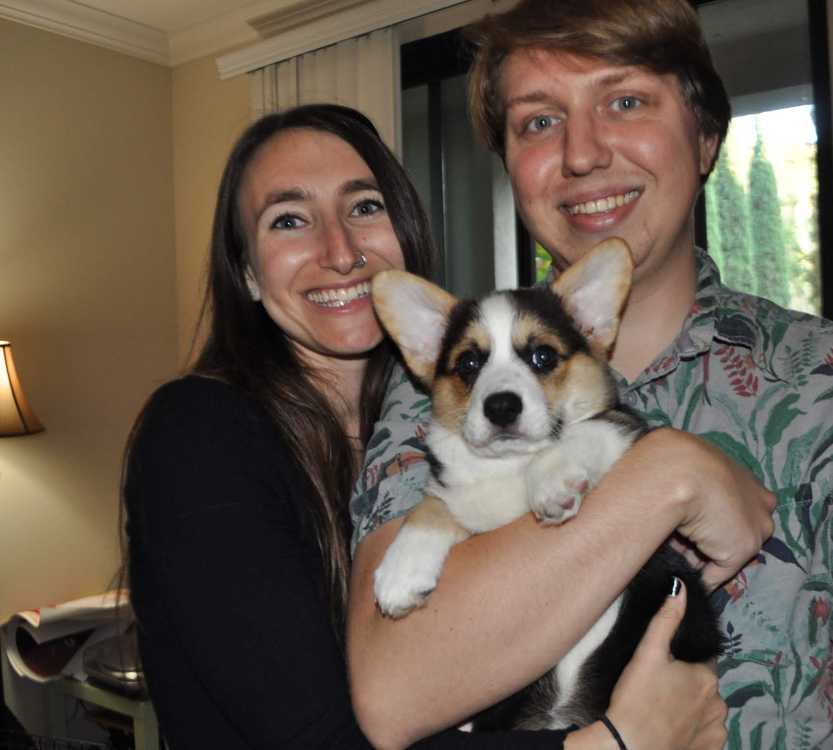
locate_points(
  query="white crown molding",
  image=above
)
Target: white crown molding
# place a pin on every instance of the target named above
(327, 28)
(230, 31)
(298, 14)
(88, 25)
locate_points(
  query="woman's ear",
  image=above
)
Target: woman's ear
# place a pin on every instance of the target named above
(708, 153)
(252, 285)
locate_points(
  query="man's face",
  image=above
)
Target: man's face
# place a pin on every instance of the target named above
(596, 150)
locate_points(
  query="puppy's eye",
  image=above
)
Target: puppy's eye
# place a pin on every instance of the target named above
(468, 364)
(543, 358)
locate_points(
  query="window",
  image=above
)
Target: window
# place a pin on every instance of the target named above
(759, 216)
(762, 224)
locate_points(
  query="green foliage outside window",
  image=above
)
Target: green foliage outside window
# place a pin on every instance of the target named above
(761, 220)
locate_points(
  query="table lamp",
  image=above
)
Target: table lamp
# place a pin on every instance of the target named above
(16, 416)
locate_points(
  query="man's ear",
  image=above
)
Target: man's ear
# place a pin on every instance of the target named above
(594, 289)
(415, 314)
(708, 153)
(252, 285)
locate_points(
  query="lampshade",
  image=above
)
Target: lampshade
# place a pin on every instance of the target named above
(16, 416)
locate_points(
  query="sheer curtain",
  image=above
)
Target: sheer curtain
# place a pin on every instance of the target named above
(362, 72)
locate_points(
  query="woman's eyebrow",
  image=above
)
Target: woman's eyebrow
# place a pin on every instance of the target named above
(357, 186)
(281, 196)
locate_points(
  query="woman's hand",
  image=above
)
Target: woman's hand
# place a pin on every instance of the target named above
(725, 512)
(660, 703)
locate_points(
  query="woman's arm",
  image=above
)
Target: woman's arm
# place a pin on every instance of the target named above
(660, 702)
(511, 602)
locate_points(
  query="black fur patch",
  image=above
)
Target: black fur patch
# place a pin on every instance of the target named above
(463, 314)
(436, 467)
(546, 306)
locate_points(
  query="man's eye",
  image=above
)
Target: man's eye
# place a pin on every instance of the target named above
(469, 363)
(539, 123)
(543, 358)
(626, 103)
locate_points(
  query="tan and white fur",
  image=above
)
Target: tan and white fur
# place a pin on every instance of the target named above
(525, 417)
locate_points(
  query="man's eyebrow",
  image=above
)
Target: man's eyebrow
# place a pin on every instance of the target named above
(533, 97)
(611, 78)
(615, 77)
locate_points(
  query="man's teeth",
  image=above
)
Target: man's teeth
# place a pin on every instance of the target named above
(339, 297)
(603, 204)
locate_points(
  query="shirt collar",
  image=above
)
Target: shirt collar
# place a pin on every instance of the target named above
(698, 330)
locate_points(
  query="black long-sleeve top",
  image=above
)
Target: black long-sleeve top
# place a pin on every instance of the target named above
(228, 585)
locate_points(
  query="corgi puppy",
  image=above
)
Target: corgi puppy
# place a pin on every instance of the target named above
(526, 417)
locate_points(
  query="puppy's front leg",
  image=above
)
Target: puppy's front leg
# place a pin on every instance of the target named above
(412, 564)
(560, 477)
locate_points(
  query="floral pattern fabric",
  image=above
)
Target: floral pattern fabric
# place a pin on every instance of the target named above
(757, 381)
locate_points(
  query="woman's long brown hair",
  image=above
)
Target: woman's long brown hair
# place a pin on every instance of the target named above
(245, 348)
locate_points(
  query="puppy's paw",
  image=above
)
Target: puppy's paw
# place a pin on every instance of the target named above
(408, 573)
(555, 490)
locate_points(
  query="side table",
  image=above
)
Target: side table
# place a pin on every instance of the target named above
(145, 726)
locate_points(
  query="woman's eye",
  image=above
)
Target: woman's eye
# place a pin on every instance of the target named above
(543, 358)
(286, 221)
(626, 103)
(368, 207)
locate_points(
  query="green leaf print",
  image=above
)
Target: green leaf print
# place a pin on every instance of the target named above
(756, 737)
(735, 450)
(734, 739)
(693, 405)
(743, 695)
(782, 416)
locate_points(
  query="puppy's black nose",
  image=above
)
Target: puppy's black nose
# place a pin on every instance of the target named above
(503, 408)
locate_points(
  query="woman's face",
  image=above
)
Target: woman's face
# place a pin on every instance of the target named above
(311, 208)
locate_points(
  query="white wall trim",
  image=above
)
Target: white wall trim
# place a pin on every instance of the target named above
(89, 25)
(330, 29)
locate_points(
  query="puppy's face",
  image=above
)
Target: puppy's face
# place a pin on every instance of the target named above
(507, 373)
(513, 370)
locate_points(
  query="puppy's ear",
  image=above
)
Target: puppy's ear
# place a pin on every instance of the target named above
(415, 314)
(594, 289)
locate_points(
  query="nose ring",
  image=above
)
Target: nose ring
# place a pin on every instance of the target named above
(361, 261)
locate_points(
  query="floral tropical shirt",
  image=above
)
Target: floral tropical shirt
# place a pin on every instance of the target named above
(757, 381)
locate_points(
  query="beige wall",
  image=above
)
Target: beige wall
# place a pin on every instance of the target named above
(99, 284)
(87, 296)
(208, 115)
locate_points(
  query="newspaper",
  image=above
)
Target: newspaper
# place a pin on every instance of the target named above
(47, 643)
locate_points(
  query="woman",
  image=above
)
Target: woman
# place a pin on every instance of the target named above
(238, 475)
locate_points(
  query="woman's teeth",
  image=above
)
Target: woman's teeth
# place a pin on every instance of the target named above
(339, 297)
(603, 204)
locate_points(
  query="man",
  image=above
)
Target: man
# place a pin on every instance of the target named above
(609, 116)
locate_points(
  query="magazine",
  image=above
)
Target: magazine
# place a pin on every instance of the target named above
(47, 643)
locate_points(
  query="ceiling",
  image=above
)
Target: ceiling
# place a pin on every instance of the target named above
(171, 32)
(173, 16)
(168, 32)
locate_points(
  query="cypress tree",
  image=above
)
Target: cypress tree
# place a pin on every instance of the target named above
(733, 225)
(767, 229)
(713, 236)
